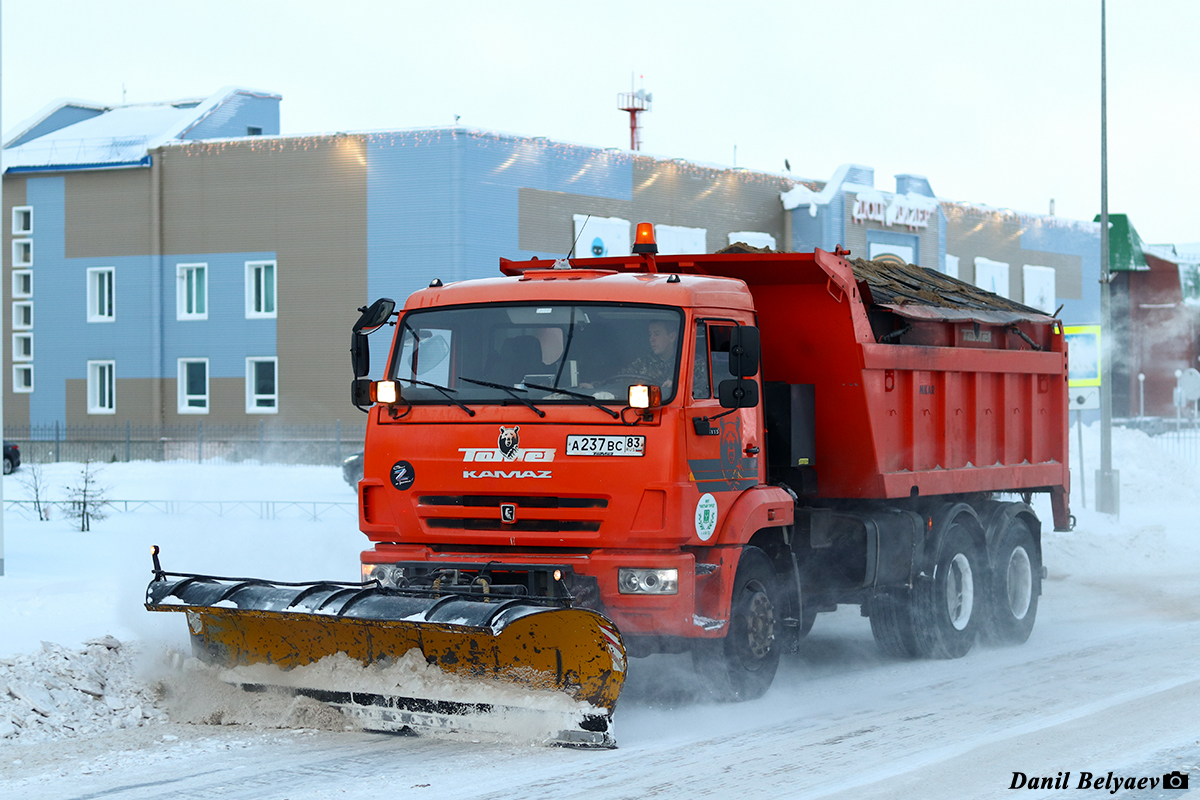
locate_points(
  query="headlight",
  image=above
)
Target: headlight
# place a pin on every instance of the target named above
(644, 396)
(388, 575)
(631, 580)
(386, 392)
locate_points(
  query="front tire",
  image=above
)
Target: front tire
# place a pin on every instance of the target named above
(742, 665)
(1015, 585)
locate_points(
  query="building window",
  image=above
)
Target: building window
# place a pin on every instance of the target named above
(22, 316)
(101, 386)
(192, 295)
(22, 347)
(22, 253)
(101, 294)
(253, 130)
(22, 220)
(22, 283)
(260, 289)
(23, 378)
(193, 386)
(262, 386)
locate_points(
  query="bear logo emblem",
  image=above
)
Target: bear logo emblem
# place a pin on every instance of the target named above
(509, 443)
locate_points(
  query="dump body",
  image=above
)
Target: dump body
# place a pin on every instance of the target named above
(971, 396)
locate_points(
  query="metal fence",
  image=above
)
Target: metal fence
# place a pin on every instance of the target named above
(267, 444)
(254, 509)
(1184, 443)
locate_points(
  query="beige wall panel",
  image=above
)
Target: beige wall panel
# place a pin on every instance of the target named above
(665, 193)
(16, 406)
(133, 396)
(306, 200)
(226, 405)
(998, 237)
(108, 213)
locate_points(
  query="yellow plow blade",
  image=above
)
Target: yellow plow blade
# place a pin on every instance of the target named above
(517, 644)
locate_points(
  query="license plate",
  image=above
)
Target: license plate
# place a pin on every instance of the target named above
(606, 445)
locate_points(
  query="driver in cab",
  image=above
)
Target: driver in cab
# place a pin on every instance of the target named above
(658, 367)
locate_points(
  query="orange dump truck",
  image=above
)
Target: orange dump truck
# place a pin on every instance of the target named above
(706, 451)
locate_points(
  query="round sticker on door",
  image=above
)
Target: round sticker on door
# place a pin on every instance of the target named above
(706, 517)
(403, 475)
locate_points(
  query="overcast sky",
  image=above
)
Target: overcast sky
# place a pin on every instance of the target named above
(995, 102)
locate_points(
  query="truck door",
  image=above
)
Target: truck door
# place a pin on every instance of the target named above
(723, 446)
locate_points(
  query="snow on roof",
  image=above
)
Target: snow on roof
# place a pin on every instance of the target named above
(118, 136)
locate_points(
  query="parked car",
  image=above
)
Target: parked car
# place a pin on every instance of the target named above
(12, 457)
(352, 469)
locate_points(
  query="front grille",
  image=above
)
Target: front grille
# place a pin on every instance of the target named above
(539, 525)
(521, 501)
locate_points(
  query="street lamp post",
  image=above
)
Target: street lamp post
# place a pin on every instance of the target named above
(1108, 500)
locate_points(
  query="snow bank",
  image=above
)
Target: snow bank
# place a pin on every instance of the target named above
(57, 692)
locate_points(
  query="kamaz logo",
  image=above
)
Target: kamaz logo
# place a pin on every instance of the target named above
(502, 473)
(494, 454)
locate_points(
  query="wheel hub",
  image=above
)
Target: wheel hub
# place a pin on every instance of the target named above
(960, 591)
(760, 625)
(1019, 582)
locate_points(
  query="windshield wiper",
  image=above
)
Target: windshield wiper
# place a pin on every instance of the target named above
(512, 391)
(591, 401)
(445, 390)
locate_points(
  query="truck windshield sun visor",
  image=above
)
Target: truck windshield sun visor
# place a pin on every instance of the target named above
(538, 354)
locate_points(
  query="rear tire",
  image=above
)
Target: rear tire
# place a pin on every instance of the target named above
(949, 606)
(742, 665)
(1014, 588)
(8, 466)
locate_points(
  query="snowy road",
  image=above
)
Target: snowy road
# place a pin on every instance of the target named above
(1109, 682)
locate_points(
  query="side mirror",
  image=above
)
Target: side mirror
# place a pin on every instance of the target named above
(744, 350)
(360, 392)
(375, 315)
(738, 393)
(360, 354)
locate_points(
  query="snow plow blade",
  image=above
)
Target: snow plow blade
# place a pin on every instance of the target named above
(556, 663)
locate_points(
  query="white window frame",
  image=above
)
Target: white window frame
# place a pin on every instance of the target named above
(252, 399)
(94, 314)
(22, 253)
(181, 382)
(19, 324)
(19, 386)
(17, 213)
(181, 292)
(253, 269)
(17, 355)
(20, 276)
(102, 387)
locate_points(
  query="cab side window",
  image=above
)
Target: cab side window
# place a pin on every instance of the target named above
(712, 358)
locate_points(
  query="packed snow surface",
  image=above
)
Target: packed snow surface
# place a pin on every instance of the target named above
(99, 697)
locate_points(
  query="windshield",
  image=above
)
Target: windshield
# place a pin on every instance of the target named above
(538, 353)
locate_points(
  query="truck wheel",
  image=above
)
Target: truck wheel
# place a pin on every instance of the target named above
(742, 665)
(950, 603)
(1016, 583)
(892, 623)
